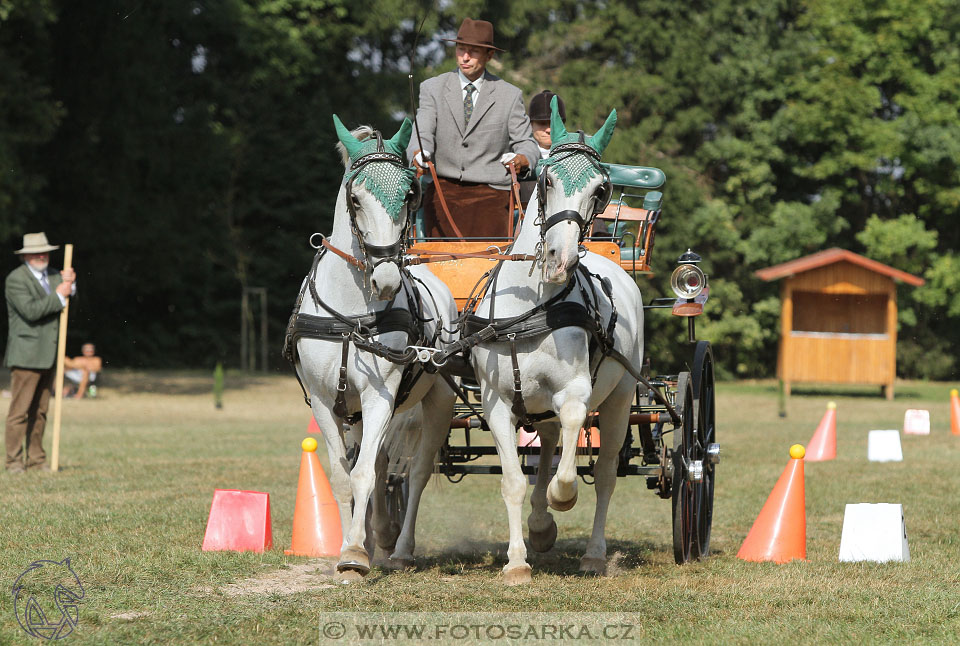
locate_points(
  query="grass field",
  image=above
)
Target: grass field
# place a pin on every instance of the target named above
(140, 463)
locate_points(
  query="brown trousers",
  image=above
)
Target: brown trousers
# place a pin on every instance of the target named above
(478, 210)
(30, 396)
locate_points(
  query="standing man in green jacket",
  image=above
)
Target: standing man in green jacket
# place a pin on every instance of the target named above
(35, 296)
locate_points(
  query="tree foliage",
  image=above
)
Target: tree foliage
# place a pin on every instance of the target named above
(186, 147)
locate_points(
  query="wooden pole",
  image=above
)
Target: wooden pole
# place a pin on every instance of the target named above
(263, 329)
(58, 383)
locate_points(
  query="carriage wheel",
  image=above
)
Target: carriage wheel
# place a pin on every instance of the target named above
(704, 406)
(684, 489)
(398, 487)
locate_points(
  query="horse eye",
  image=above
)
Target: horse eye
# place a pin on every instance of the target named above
(549, 182)
(356, 200)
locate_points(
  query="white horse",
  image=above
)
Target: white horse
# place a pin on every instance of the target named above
(559, 377)
(359, 317)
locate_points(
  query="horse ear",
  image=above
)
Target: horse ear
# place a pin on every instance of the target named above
(600, 140)
(398, 143)
(558, 131)
(350, 143)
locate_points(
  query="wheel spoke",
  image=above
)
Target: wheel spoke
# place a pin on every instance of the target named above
(704, 404)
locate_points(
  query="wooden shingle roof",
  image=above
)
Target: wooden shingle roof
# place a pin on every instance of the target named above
(829, 257)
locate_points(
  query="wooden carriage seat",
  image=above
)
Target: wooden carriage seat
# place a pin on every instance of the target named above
(463, 274)
(626, 223)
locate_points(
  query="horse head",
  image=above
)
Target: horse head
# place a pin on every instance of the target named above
(381, 194)
(573, 188)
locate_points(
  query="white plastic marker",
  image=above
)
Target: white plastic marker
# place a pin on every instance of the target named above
(916, 422)
(884, 446)
(874, 532)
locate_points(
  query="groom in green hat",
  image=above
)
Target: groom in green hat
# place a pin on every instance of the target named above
(35, 296)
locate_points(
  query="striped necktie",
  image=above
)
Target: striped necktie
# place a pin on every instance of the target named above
(468, 102)
(44, 283)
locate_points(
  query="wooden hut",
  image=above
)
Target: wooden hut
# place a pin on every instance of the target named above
(838, 319)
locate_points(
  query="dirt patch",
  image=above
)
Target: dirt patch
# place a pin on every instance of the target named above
(130, 616)
(316, 574)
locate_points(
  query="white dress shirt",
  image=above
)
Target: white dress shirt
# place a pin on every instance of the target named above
(464, 81)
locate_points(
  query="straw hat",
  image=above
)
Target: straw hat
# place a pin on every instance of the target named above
(36, 243)
(475, 32)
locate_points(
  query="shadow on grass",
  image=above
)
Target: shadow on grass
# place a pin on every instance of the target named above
(861, 393)
(562, 560)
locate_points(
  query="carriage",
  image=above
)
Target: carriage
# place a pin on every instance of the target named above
(375, 336)
(671, 440)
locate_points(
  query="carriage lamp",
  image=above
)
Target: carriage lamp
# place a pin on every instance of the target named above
(688, 280)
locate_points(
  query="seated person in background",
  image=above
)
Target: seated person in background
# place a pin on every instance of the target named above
(539, 113)
(82, 371)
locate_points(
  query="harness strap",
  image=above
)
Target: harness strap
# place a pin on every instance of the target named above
(514, 196)
(443, 256)
(519, 408)
(443, 201)
(340, 404)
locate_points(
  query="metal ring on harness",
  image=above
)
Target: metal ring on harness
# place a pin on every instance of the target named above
(318, 244)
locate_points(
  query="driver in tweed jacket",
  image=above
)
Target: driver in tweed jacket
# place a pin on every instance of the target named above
(472, 126)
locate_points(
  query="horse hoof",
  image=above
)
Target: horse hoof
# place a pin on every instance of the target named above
(353, 566)
(561, 505)
(355, 559)
(543, 540)
(593, 565)
(399, 564)
(518, 575)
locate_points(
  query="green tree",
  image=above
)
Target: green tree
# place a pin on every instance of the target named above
(28, 114)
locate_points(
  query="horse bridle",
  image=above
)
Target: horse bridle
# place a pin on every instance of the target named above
(602, 195)
(378, 254)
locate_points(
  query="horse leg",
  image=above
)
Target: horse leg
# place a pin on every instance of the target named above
(385, 531)
(355, 437)
(437, 410)
(355, 556)
(614, 418)
(513, 488)
(562, 490)
(541, 527)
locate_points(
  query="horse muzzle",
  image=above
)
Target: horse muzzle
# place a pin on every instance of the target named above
(385, 281)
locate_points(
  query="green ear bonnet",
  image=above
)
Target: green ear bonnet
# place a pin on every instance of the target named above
(389, 183)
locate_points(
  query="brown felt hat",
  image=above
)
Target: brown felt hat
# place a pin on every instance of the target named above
(540, 106)
(478, 33)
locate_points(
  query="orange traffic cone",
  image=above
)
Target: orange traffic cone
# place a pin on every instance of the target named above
(316, 517)
(954, 412)
(527, 438)
(312, 426)
(780, 532)
(594, 438)
(823, 444)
